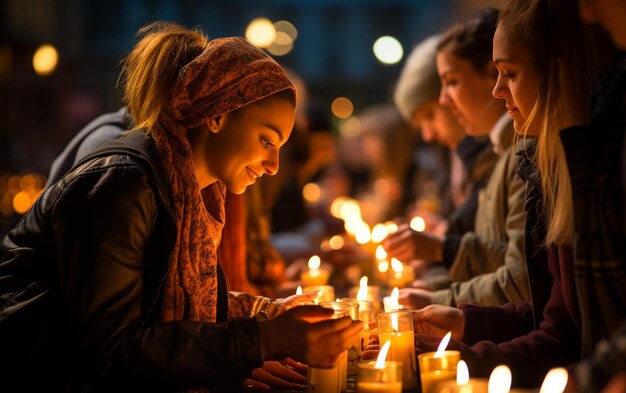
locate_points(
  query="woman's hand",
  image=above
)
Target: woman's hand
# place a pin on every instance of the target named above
(281, 374)
(415, 298)
(437, 320)
(406, 244)
(295, 300)
(306, 334)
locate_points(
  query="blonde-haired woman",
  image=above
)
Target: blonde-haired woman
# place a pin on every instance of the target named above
(111, 280)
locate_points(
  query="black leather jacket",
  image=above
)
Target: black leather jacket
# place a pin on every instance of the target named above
(80, 288)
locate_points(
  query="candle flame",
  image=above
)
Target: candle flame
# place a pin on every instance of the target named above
(443, 345)
(500, 380)
(394, 299)
(555, 381)
(382, 355)
(320, 293)
(462, 373)
(350, 209)
(381, 253)
(418, 224)
(394, 323)
(314, 262)
(363, 234)
(362, 293)
(336, 205)
(396, 265)
(299, 290)
(383, 266)
(379, 233)
(391, 227)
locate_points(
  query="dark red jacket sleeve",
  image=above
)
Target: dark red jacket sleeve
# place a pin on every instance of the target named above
(530, 356)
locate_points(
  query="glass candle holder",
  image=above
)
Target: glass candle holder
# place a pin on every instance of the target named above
(379, 380)
(397, 327)
(354, 352)
(329, 380)
(436, 371)
(314, 277)
(373, 293)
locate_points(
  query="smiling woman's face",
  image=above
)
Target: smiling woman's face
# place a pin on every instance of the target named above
(244, 144)
(518, 83)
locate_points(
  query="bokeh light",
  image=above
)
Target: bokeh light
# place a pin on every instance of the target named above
(45, 59)
(311, 192)
(287, 28)
(388, 50)
(261, 32)
(342, 107)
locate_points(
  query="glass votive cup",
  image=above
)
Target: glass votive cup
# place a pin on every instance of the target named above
(354, 352)
(373, 293)
(436, 371)
(397, 327)
(379, 380)
(331, 380)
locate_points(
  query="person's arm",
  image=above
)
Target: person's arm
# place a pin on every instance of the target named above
(556, 342)
(101, 239)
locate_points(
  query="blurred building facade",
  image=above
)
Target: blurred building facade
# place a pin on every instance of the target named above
(40, 114)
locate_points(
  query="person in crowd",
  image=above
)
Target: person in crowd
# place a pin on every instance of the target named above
(111, 280)
(545, 86)
(245, 241)
(387, 143)
(416, 98)
(487, 264)
(595, 156)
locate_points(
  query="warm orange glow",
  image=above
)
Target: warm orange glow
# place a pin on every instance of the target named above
(311, 192)
(336, 242)
(342, 107)
(21, 202)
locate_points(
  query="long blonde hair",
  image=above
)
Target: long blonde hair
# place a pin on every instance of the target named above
(566, 55)
(151, 69)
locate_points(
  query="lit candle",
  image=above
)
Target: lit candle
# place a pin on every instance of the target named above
(400, 277)
(379, 233)
(349, 365)
(315, 275)
(328, 380)
(390, 303)
(397, 327)
(418, 224)
(380, 376)
(366, 292)
(325, 293)
(555, 381)
(500, 380)
(438, 367)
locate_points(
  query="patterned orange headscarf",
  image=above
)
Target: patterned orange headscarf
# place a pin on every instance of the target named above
(228, 75)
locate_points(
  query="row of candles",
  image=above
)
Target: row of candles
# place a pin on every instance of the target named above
(396, 369)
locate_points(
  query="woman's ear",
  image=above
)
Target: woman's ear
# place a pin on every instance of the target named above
(215, 124)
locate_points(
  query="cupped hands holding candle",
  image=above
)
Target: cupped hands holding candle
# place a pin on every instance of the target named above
(306, 335)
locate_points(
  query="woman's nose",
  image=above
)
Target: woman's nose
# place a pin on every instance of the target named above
(271, 163)
(499, 90)
(444, 99)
